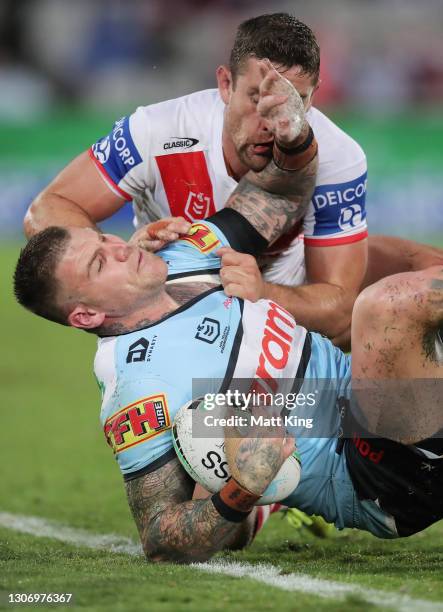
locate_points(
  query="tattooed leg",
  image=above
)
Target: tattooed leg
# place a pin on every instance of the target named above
(397, 368)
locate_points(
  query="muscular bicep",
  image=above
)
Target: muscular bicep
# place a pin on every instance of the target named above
(153, 493)
(342, 265)
(81, 184)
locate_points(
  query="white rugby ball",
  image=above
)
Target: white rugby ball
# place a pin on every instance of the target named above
(204, 459)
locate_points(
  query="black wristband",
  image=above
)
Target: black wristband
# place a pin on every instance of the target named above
(228, 513)
(301, 148)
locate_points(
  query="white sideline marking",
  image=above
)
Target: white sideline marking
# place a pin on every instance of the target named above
(269, 574)
(266, 574)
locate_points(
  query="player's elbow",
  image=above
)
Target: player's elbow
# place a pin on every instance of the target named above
(37, 216)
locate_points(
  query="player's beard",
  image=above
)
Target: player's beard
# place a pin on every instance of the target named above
(253, 160)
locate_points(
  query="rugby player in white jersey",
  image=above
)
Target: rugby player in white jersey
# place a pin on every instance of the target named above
(389, 486)
(184, 157)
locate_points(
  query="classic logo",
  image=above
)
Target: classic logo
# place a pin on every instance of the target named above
(137, 422)
(202, 238)
(176, 142)
(208, 330)
(197, 206)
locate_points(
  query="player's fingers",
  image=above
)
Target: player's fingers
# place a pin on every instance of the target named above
(167, 235)
(150, 245)
(179, 225)
(268, 103)
(235, 290)
(235, 275)
(234, 258)
(288, 446)
(225, 249)
(264, 66)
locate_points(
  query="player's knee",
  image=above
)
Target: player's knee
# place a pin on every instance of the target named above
(406, 296)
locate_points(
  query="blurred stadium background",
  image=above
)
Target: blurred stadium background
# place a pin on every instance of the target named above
(69, 69)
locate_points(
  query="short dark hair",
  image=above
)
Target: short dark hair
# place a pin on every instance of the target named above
(281, 38)
(35, 285)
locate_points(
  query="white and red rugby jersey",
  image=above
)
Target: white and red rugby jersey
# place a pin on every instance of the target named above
(167, 158)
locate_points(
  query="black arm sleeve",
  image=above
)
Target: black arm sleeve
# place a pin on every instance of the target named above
(241, 234)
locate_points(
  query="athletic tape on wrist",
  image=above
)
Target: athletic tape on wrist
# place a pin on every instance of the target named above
(233, 502)
(297, 157)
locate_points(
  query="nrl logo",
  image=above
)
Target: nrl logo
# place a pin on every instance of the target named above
(176, 142)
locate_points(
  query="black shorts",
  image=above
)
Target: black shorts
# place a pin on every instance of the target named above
(405, 481)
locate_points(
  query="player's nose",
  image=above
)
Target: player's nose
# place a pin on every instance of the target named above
(122, 251)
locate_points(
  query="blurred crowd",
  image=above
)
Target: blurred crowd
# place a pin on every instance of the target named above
(382, 55)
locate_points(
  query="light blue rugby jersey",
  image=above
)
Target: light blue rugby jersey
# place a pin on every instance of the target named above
(147, 375)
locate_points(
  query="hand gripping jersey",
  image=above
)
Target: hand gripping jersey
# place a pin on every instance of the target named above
(145, 376)
(167, 158)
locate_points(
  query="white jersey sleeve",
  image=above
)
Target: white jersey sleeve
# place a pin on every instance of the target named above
(337, 213)
(119, 155)
(167, 158)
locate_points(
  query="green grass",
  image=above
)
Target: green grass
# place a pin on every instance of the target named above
(54, 463)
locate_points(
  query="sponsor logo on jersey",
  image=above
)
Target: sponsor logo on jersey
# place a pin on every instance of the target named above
(275, 348)
(350, 217)
(208, 331)
(117, 152)
(141, 350)
(102, 150)
(366, 450)
(176, 142)
(202, 238)
(137, 422)
(340, 208)
(341, 194)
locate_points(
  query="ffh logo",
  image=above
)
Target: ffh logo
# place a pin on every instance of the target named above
(137, 351)
(137, 422)
(197, 206)
(208, 330)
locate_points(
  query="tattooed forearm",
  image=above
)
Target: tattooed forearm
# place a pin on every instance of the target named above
(257, 462)
(274, 199)
(173, 527)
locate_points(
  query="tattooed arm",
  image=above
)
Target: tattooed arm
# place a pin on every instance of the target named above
(274, 199)
(173, 527)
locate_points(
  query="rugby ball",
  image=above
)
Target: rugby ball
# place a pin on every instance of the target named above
(204, 458)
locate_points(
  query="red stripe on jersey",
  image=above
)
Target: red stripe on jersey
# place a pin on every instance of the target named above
(187, 184)
(107, 178)
(322, 242)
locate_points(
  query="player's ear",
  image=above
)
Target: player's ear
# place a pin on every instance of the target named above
(84, 317)
(311, 97)
(224, 81)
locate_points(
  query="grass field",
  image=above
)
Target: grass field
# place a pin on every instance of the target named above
(55, 465)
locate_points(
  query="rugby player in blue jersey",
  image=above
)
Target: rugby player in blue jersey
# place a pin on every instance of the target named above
(147, 310)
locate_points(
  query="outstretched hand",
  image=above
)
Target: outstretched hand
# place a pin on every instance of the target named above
(280, 104)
